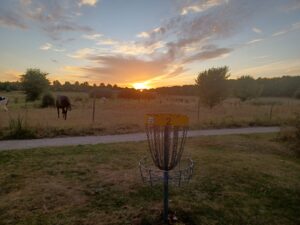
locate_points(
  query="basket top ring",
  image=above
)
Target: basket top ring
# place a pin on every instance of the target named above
(164, 119)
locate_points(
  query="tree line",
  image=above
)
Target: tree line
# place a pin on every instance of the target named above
(212, 86)
(284, 86)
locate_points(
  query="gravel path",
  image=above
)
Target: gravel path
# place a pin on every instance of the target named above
(84, 140)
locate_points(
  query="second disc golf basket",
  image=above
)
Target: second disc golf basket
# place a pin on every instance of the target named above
(166, 134)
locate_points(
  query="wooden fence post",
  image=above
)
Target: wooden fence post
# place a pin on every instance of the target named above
(198, 115)
(94, 107)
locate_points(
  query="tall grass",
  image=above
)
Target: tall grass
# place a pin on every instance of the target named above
(18, 129)
(127, 116)
(291, 136)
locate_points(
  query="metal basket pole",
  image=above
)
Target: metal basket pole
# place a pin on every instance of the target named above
(166, 171)
(166, 134)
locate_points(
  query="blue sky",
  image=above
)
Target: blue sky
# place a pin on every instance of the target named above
(154, 43)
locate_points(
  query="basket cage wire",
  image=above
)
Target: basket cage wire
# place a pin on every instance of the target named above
(181, 175)
(166, 135)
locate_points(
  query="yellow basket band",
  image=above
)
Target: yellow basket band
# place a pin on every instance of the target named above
(164, 119)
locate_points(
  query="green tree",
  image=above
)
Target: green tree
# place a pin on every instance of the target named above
(247, 88)
(34, 82)
(212, 85)
(56, 85)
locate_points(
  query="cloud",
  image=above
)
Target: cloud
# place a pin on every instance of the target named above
(11, 20)
(201, 6)
(180, 40)
(256, 30)
(107, 41)
(255, 41)
(209, 54)
(124, 47)
(83, 53)
(92, 36)
(179, 70)
(88, 2)
(132, 48)
(166, 51)
(293, 27)
(278, 33)
(118, 69)
(46, 46)
(53, 17)
(143, 35)
(219, 23)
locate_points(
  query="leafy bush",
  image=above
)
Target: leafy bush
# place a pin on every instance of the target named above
(47, 100)
(18, 129)
(34, 82)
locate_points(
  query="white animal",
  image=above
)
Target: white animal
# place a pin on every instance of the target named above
(4, 102)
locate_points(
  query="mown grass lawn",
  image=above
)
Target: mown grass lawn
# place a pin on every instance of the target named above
(240, 179)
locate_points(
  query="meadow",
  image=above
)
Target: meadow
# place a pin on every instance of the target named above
(238, 179)
(116, 116)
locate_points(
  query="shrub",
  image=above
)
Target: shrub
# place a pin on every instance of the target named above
(297, 94)
(291, 136)
(18, 129)
(47, 100)
(296, 146)
(34, 82)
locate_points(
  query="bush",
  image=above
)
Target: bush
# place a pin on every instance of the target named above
(34, 82)
(47, 100)
(291, 136)
(19, 130)
(296, 146)
(297, 94)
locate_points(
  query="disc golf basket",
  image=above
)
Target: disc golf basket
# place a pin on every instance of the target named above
(166, 134)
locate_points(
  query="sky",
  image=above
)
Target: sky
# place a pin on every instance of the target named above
(143, 43)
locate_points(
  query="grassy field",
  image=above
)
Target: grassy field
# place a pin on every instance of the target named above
(124, 116)
(241, 179)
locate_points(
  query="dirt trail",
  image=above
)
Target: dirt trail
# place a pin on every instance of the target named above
(134, 137)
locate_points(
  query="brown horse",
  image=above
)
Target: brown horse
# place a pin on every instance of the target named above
(63, 103)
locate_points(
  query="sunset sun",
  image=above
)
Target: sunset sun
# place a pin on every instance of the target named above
(141, 86)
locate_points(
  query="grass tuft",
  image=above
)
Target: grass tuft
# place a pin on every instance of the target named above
(18, 129)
